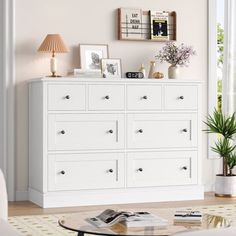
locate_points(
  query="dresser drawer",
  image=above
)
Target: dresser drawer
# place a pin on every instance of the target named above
(161, 168)
(162, 130)
(66, 97)
(144, 97)
(106, 97)
(85, 171)
(85, 131)
(181, 97)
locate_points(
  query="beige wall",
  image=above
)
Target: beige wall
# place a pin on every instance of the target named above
(94, 22)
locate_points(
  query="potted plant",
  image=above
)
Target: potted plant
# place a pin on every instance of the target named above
(176, 56)
(225, 128)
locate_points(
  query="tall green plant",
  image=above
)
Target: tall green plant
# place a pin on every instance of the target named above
(225, 127)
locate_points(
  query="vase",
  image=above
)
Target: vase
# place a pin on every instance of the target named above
(142, 69)
(173, 72)
(152, 69)
(225, 186)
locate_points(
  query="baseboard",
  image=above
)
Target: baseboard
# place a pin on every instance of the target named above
(22, 196)
(115, 196)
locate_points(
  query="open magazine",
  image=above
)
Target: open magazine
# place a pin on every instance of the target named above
(131, 219)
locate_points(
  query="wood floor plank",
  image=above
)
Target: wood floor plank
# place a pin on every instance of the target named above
(29, 208)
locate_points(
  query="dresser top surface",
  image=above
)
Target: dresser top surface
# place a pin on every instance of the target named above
(119, 80)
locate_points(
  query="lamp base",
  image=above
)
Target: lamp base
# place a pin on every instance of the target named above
(54, 76)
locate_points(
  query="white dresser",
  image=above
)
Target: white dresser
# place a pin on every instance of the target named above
(105, 141)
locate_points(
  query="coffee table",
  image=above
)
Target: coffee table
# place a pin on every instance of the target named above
(76, 222)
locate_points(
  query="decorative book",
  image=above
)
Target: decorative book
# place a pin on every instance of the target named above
(188, 216)
(159, 25)
(130, 219)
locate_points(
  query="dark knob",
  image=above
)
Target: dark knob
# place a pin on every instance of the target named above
(185, 130)
(145, 97)
(181, 97)
(63, 132)
(107, 97)
(184, 167)
(110, 170)
(140, 169)
(140, 131)
(110, 131)
(63, 172)
(67, 96)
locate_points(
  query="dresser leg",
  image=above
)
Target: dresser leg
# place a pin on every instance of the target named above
(80, 234)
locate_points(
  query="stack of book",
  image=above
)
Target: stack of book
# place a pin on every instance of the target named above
(188, 217)
(130, 219)
(80, 73)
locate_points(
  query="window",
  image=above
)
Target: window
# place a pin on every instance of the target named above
(220, 50)
(216, 59)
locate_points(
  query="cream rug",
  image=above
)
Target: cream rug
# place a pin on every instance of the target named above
(38, 225)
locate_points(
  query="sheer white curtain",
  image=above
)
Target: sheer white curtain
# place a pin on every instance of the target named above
(229, 70)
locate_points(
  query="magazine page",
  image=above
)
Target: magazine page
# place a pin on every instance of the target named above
(131, 219)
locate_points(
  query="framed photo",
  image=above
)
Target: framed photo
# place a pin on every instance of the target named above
(111, 68)
(91, 55)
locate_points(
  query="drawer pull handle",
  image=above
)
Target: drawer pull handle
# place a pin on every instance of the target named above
(140, 131)
(63, 132)
(145, 97)
(140, 169)
(107, 97)
(62, 172)
(67, 96)
(110, 171)
(181, 97)
(185, 130)
(184, 168)
(110, 131)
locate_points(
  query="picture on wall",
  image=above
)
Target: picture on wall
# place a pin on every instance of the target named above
(111, 68)
(91, 55)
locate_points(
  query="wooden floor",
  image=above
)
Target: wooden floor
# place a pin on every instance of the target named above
(28, 208)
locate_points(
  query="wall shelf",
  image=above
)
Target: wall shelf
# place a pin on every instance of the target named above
(141, 29)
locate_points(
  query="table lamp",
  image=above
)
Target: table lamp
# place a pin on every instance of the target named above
(53, 43)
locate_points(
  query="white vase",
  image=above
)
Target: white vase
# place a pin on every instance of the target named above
(225, 186)
(173, 72)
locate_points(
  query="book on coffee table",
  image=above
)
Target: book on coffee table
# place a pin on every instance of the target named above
(188, 216)
(130, 219)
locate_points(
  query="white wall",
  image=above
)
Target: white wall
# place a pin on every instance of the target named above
(94, 22)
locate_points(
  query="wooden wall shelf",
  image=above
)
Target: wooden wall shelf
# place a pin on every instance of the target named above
(142, 30)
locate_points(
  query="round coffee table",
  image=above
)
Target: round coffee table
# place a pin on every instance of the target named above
(76, 222)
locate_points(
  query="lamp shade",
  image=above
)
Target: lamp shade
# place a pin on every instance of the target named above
(53, 43)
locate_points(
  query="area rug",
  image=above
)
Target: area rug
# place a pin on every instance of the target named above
(41, 225)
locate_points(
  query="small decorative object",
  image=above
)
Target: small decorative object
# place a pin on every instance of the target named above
(142, 69)
(152, 69)
(158, 75)
(159, 25)
(91, 55)
(225, 127)
(173, 72)
(134, 75)
(53, 43)
(80, 73)
(111, 68)
(176, 56)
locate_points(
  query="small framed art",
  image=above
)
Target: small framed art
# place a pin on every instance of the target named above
(91, 55)
(111, 68)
